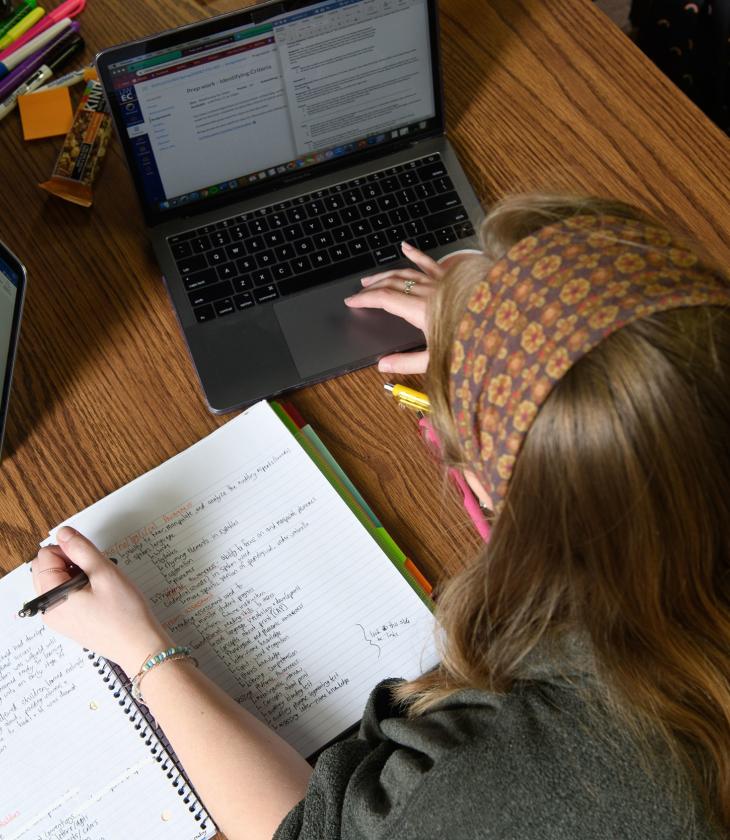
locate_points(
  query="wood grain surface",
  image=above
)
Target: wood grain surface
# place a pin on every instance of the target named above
(540, 94)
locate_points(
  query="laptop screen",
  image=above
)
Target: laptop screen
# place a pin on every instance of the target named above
(9, 280)
(12, 284)
(224, 111)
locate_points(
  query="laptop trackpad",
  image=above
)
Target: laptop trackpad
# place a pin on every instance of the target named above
(323, 334)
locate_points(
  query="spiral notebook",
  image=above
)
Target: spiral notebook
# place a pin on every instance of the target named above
(254, 549)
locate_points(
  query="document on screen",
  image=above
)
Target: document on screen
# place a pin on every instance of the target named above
(358, 70)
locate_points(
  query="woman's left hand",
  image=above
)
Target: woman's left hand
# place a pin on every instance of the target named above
(406, 293)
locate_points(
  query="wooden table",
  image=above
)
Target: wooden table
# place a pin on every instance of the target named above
(539, 93)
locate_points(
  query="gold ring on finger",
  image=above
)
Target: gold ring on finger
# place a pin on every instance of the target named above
(408, 285)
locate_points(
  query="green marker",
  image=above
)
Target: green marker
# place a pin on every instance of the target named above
(23, 9)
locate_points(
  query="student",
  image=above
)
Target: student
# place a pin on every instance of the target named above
(579, 371)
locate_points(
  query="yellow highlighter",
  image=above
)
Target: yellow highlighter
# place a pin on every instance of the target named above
(414, 400)
(21, 27)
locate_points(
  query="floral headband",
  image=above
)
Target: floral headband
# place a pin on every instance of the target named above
(550, 300)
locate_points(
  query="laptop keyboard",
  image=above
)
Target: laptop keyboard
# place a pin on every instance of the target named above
(352, 227)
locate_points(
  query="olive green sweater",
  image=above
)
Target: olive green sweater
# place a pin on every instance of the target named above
(533, 764)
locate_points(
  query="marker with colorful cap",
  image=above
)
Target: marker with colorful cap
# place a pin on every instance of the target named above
(26, 16)
(12, 16)
(61, 53)
(69, 9)
(25, 70)
(19, 55)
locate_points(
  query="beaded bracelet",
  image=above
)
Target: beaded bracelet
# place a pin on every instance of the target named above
(171, 654)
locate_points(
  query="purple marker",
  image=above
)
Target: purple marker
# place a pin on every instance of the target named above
(16, 77)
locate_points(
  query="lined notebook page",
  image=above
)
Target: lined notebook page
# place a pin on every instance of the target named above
(249, 555)
(72, 765)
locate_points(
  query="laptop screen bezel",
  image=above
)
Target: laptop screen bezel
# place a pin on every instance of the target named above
(19, 271)
(252, 15)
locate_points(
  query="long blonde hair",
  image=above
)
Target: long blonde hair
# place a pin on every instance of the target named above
(616, 521)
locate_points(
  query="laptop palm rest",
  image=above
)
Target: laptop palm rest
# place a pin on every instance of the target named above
(323, 333)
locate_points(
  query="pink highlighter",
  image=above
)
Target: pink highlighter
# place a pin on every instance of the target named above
(69, 9)
(471, 505)
(419, 403)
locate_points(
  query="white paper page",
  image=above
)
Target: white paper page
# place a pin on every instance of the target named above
(72, 765)
(250, 556)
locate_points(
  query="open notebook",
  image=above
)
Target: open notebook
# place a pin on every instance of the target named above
(253, 551)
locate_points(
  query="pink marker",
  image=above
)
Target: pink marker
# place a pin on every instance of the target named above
(69, 9)
(471, 503)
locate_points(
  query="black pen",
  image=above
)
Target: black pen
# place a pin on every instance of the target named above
(54, 596)
(58, 594)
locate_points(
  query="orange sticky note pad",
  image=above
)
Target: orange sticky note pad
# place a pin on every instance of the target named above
(46, 113)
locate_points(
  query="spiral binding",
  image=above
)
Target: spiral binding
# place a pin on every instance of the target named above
(116, 681)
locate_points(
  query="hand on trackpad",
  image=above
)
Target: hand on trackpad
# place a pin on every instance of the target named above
(324, 335)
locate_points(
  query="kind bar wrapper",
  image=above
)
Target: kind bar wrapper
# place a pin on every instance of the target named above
(83, 149)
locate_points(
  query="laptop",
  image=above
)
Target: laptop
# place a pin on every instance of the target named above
(281, 153)
(12, 294)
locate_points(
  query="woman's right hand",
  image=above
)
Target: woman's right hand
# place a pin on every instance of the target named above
(109, 616)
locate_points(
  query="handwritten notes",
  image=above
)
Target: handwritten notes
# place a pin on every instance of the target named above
(71, 762)
(249, 555)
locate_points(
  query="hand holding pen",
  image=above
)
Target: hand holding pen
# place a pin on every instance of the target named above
(75, 579)
(108, 614)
